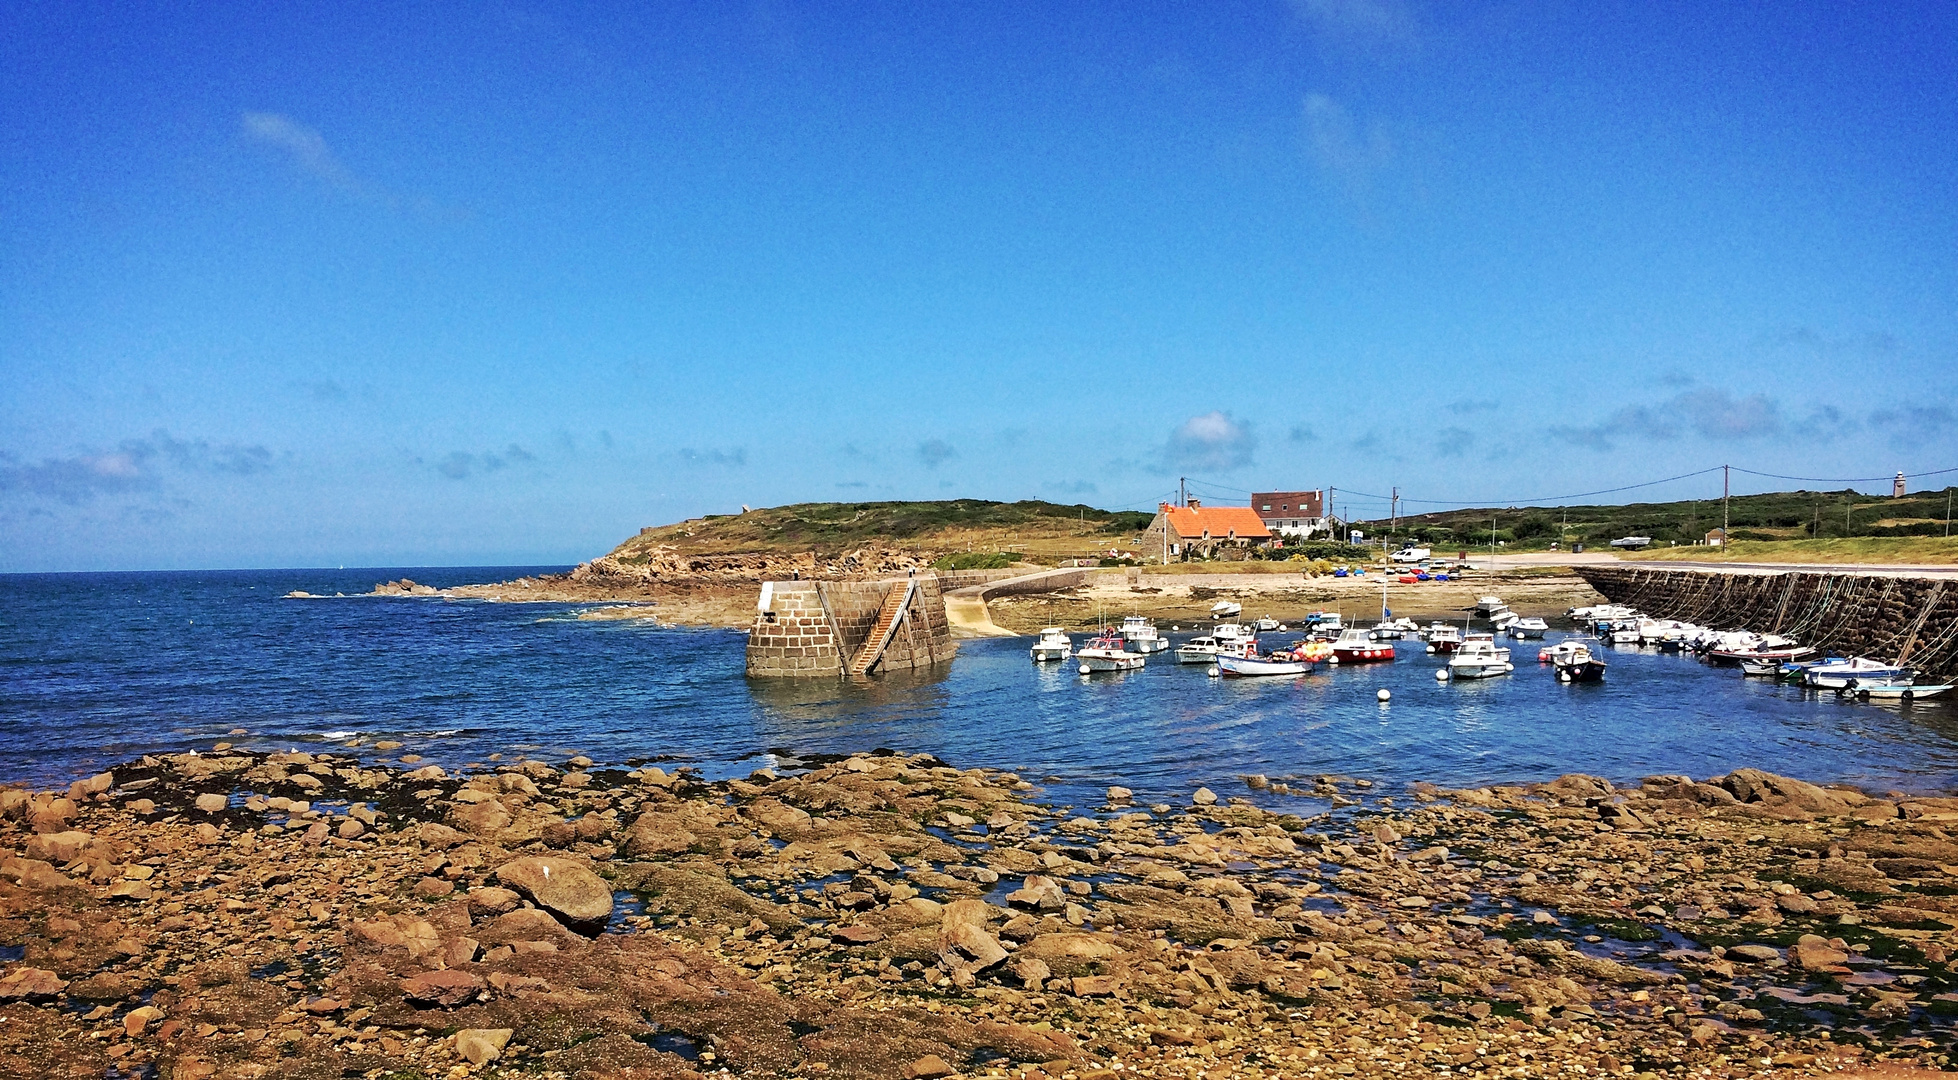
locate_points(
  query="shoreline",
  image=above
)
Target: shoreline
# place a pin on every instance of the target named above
(262, 915)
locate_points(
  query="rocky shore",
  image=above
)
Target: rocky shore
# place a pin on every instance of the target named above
(240, 914)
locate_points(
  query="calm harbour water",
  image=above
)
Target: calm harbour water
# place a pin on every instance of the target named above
(98, 668)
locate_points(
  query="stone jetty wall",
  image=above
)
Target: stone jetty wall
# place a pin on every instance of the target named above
(1914, 620)
(813, 628)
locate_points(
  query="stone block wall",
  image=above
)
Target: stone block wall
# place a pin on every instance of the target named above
(1912, 620)
(796, 637)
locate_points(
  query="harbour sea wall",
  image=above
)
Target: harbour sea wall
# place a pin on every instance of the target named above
(805, 629)
(1911, 620)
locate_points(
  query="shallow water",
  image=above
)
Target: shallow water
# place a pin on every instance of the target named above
(98, 668)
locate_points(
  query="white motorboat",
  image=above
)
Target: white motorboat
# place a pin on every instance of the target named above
(1141, 636)
(1107, 654)
(1853, 673)
(1226, 609)
(1479, 658)
(1563, 650)
(1488, 606)
(1579, 665)
(1527, 627)
(1769, 666)
(1265, 625)
(1385, 631)
(1053, 644)
(1198, 650)
(1898, 691)
(1229, 634)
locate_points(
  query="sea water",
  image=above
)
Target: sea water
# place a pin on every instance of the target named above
(100, 668)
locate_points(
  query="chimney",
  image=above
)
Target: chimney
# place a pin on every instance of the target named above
(1196, 504)
(1897, 489)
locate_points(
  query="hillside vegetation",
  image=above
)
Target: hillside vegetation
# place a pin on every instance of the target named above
(1782, 515)
(1040, 530)
(1880, 550)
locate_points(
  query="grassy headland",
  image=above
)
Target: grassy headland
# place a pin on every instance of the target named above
(1880, 550)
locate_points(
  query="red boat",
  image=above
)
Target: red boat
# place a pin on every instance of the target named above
(1355, 647)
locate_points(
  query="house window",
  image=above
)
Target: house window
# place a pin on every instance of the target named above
(1266, 506)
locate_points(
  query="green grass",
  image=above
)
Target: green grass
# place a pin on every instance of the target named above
(977, 560)
(1773, 516)
(1860, 549)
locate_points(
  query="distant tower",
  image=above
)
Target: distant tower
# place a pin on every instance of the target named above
(1897, 488)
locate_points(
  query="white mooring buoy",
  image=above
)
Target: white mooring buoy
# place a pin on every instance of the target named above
(1441, 674)
(1085, 669)
(1383, 695)
(1214, 671)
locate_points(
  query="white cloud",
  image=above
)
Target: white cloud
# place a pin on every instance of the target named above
(1708, 413)
(303, 146)
(1339, 146)
(1212, 441)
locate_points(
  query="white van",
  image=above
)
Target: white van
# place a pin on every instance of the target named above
(1411, 554)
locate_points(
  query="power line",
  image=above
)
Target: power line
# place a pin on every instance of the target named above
(1843, 480)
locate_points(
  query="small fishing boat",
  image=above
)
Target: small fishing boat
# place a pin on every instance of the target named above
(1140, 635)
(1199, 650)
(1478, 658)
(1488, 606)
(1579, 666)
(1753, 666)
(1265, 625)
(1528, 627)
(1385, 631)
(1898, 691)
(1107, 654)
(1853, 673)
(1356, 646)
(1443, 638)
(1053, 644)
(1562, 650)
(1226, 609)
(1229, 635)
(1250, 662)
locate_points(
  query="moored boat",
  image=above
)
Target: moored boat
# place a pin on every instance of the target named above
(1852, 673)
(1249, 661)
(1139, 635)
(1357, 646)
(1479, 658)
(1107, 654)
(1053, 644)
(1198, 650)
(1528, 627)
(1898, 691)
(1443, 638)
(1579, 665)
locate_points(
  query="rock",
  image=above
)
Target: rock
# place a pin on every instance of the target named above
(779, 816)
(58, 848)
(1755, 953)
(480, 819)
(962, 937)
(1120, 794)
(30, 983)
(1204, 797)
(211, 804)
(480, 1046)
(444, 988)
(1755, 786)
(562, 887)
(1094, 985)
(350, 829)
(489, 900)
(1797, 904)
(857, 934)
(434, 888)
(1814, 953)
(1031, 971)
(1039, 892)
(929, 1067)
(136, 1021)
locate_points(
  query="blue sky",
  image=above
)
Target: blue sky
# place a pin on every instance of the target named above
(414, 284)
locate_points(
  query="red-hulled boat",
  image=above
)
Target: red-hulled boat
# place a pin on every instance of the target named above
(1354, 646)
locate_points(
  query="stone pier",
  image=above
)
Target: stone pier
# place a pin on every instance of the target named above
(816, 628)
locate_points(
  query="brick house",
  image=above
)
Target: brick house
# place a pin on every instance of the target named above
(1180, 533)
(1292, 514)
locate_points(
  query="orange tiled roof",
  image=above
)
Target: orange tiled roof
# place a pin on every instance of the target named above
(1190, 522)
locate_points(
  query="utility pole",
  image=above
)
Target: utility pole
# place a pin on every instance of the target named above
(1726, 489)
(1947, 513)
(1395, 512)
(1182, 491)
